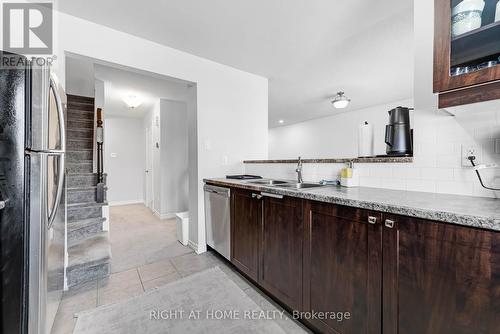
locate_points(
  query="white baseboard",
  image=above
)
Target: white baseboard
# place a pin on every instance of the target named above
(119, 203)
(197, 248)
(164, 216)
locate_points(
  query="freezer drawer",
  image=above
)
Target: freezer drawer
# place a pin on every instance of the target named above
(217, 219)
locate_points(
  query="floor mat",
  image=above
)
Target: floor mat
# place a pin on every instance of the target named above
(206, 302)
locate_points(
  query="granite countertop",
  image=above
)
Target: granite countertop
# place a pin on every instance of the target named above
(386, 159)
(470, 211)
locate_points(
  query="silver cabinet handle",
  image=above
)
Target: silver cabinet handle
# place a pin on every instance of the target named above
(2, 204)
(62, 158)
(271, 195)
(372, 220)
(389, 223)
(256, 196)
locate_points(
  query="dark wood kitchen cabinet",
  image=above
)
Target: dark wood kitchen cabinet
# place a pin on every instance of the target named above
(392, 274)
(267, 238)
(246, 227)
(343, 267)
(281, 249)
(439, 278)
(466, 62)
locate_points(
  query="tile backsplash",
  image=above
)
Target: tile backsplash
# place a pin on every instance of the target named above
(437, 165)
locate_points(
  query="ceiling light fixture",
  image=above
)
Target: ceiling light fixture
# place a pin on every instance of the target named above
(281, 121)
(340, 101)
(132, 101)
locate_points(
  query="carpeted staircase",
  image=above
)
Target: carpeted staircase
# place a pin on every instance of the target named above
(89, 250)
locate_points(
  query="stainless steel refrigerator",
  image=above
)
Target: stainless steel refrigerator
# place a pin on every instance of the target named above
(32, 196)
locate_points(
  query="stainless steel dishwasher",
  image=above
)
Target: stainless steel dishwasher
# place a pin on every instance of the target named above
(217, 219)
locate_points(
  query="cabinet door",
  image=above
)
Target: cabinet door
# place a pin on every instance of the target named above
(440, 278)
(343, 267)
(246, 225)
(281, 252)
(466, 52)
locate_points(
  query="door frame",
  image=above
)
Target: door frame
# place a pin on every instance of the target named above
(149, 191)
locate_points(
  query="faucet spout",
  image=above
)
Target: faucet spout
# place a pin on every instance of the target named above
(299, 171)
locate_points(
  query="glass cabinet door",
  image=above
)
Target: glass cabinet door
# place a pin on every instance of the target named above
(475, 36)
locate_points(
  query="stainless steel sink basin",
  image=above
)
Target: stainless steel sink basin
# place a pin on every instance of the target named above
(300, 185)
(268, 182)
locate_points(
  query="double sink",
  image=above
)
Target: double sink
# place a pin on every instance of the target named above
(285, 184)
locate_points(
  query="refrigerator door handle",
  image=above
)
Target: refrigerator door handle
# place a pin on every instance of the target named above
(60, 153)
(60, 187)
(60, 115)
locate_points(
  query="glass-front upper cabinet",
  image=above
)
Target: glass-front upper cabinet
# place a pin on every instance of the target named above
(466, 51)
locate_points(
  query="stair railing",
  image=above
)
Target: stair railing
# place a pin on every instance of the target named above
(100, 157)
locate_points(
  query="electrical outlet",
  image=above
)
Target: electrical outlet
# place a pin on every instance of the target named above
(470, 150)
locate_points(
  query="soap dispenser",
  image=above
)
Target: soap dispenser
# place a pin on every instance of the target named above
(349, 176)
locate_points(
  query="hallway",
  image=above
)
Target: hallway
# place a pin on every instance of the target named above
(138, 237)
(147, 255)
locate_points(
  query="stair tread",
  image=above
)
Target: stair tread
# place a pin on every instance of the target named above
(86, 120)
(81, 130)
(86, 205)
(76, 98)
(79, 101)
(74, 107)
(78, 224)
(81, 140)
(86, 140)
(91, 251)
(79, 150)
(83, 162)
(84, 188)
(80, 119)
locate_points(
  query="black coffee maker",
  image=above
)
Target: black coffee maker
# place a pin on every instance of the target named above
(398, 134)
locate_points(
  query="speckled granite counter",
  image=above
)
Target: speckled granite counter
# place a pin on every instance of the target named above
(461, 210)
(386, 159)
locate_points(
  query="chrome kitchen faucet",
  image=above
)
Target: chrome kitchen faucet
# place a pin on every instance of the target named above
(299, 171)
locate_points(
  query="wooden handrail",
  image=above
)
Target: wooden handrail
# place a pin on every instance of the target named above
(100, 157)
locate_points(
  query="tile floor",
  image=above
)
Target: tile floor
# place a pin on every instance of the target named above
(147, 255)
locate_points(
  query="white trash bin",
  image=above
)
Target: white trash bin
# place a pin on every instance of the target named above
(182, 219)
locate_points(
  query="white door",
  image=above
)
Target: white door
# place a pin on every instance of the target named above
(149, 169)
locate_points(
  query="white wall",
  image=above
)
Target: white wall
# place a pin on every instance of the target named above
(174, 158)
(231, 104)
(125, 139)
(331, 137)
(194, 196)
(169, 123)
(80, 77)
(156, 133)
(438, 137)
(99, 102)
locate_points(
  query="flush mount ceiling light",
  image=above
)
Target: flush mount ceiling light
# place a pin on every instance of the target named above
(132, 101)
(281, 121)
(340, 101)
